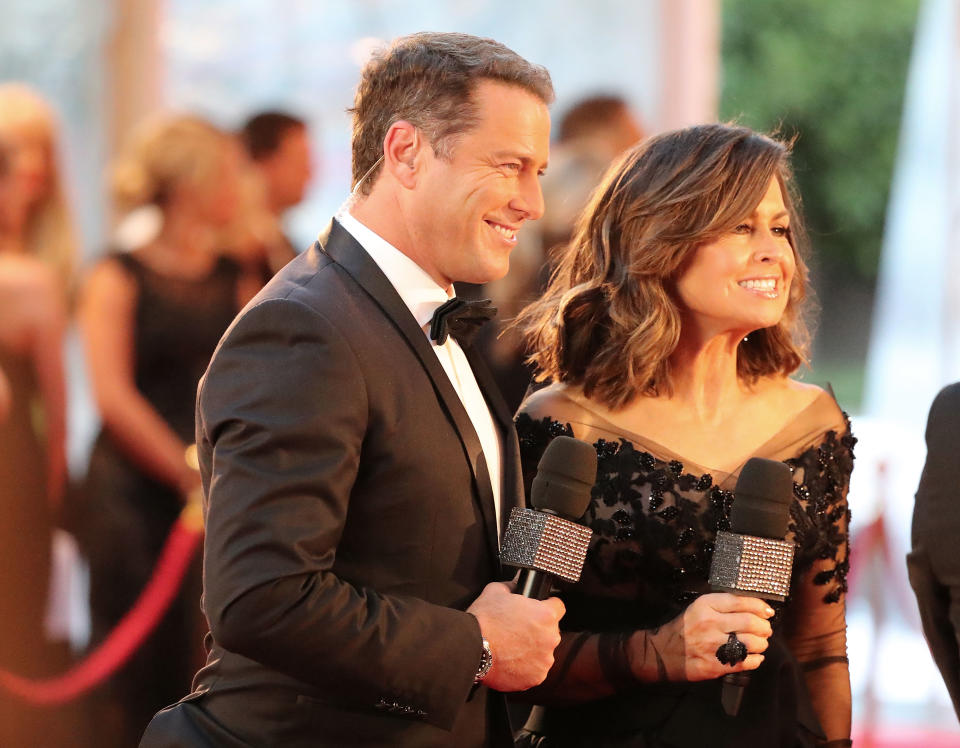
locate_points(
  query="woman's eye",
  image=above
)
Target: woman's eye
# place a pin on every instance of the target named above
(743, 228)
(780, 230)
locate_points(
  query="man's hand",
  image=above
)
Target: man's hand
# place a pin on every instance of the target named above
(522, 633)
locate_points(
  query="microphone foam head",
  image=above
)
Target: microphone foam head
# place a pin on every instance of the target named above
(762, 497)
(565, 475)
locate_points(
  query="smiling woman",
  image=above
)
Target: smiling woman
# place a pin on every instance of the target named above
(669, 332)
(743, 275)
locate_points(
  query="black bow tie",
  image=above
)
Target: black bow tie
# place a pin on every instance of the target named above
(460, 318)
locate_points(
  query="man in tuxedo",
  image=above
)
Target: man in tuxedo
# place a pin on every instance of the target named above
(934, 564)
(357, 471)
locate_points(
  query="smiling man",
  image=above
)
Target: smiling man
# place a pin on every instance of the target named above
(357, 471)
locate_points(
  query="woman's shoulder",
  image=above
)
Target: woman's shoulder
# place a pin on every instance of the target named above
(805, 403)
(557, 402)
(115, 269)
(549, 401)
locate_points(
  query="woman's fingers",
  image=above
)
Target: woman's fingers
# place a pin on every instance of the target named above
(725, 602)
(751, 663)
(745, 623)
(754, 644)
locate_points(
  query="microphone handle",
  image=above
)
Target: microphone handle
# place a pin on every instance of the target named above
(534, 584)
(731, 692)
(733, 684)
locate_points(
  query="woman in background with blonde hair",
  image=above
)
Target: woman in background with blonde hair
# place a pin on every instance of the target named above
(36, 255)
(150, 320)
(28, 127)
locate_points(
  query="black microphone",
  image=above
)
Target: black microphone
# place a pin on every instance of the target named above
(752, 558)
(546, 542)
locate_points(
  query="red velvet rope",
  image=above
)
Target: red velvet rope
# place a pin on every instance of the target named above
(130, 633)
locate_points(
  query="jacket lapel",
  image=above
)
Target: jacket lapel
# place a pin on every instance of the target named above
(512, 493)
(340, 245)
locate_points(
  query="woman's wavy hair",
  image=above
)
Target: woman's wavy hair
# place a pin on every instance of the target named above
(610, 318)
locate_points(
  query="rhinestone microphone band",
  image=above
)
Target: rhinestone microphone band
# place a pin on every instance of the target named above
(545, 542)
(745, 563)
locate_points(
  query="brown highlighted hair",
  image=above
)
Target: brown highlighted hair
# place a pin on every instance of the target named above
(610, 318)
(428, 80)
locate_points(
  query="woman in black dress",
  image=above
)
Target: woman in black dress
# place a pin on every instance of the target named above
(150, 320)
(668, 333)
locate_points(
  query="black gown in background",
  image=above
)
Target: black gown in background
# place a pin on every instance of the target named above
(655, 517)
(128, 515)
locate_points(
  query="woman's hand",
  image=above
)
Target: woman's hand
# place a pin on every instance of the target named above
(686, 647)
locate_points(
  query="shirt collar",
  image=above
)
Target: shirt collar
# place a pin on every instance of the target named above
(421, 293)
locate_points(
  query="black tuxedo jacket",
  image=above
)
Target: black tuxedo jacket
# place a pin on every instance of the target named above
(934, 564)
(350, 522)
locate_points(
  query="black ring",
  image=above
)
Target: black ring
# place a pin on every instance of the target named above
(732, 651)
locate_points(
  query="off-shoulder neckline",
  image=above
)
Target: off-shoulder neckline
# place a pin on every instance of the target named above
(796, 432)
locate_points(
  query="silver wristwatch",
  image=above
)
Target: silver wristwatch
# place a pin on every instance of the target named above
(486, 662)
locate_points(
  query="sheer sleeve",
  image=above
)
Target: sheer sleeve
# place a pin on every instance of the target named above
(596, 661)
(815, 619)
(589, 664)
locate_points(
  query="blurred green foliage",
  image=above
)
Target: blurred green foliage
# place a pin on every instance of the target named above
(831, 72)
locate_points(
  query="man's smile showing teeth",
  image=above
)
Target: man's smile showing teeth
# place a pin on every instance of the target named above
(763, 286)
(507, 233)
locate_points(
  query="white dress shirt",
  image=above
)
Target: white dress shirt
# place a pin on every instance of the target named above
(422, 295)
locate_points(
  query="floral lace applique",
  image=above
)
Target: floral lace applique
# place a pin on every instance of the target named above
(655, 524)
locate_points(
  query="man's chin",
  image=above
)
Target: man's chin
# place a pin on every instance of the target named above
(493, 267)
(487, 275)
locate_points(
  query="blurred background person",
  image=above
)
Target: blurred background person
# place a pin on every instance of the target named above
(150, 319)
(591, 135)
(933, 563)
(38, 227)
(28, 127)
(32, 399)
(278, 146)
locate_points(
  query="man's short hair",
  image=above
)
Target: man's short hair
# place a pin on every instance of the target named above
(428, 80)
(589, 115)
(262, 133)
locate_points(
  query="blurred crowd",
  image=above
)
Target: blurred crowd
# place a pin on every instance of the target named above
(199, 231)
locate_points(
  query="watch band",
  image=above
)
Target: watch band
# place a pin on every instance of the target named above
(486, 662)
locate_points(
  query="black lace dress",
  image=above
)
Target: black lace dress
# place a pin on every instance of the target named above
(655, 517)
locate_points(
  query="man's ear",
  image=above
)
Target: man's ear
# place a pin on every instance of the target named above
(401, 146)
